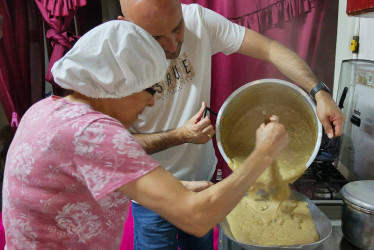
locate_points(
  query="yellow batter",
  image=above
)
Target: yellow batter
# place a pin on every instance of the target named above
(252, 222)
(239, 139)
(265, 216)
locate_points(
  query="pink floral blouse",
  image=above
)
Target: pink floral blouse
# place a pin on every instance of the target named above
(62, 171)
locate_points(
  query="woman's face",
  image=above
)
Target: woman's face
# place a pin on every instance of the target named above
(131, 106)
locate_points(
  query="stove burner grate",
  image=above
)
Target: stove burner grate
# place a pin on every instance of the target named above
(320, 190)
(321, 181)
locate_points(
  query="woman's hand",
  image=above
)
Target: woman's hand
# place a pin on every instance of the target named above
(271, 138)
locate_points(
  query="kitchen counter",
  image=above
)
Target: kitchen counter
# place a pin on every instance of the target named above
(335, 241)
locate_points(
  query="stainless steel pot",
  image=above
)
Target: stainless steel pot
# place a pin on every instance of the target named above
(321, 221)
(358, 213)
(241, 114)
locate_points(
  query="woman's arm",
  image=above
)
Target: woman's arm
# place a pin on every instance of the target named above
(197, 213)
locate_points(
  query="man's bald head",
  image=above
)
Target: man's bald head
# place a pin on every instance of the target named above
(163, 19)
(142, 8)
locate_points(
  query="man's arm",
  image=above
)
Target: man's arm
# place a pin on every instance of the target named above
(292, 66)
(156, 142)
(197, 130)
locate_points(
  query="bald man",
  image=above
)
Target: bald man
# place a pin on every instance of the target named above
(176, 135)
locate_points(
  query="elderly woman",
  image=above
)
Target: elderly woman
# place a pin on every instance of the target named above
(73, 166)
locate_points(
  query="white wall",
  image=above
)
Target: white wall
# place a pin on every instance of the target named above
(366, 38)
(347, 28)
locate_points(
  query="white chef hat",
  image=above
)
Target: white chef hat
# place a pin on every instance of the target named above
(113, 60)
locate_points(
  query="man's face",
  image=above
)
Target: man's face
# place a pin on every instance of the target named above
(172, 41)
(163, 19)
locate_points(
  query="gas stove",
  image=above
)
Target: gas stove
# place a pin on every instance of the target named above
(321, 183)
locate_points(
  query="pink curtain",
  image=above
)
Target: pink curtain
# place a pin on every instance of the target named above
(59, 15)
(20, 80)
(61, 8)
(2, 233)
(306, 26)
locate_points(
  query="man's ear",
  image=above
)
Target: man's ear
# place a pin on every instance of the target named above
(121, 18)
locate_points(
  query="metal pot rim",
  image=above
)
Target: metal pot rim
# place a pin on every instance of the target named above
(357, 207)
(358, 194)
(270, 80)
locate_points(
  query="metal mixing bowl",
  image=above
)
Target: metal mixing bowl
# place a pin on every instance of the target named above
(321, 221)
(277, 97)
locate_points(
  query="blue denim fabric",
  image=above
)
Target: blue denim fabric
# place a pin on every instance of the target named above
(151, 231)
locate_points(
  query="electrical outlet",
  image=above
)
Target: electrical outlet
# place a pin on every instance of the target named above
(355, 44)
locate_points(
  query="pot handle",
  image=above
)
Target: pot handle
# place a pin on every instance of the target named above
(342, 98)
(206, 111)
(332, 145)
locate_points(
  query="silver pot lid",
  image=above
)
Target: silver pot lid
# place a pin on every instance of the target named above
(360, 193)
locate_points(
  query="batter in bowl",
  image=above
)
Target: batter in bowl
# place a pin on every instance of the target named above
(263, 222)
(266, 216)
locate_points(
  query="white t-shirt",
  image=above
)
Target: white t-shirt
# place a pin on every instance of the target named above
(186, 85)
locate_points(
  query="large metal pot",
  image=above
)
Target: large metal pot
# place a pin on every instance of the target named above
(242, 113)
(358, 213)
(321, 221)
